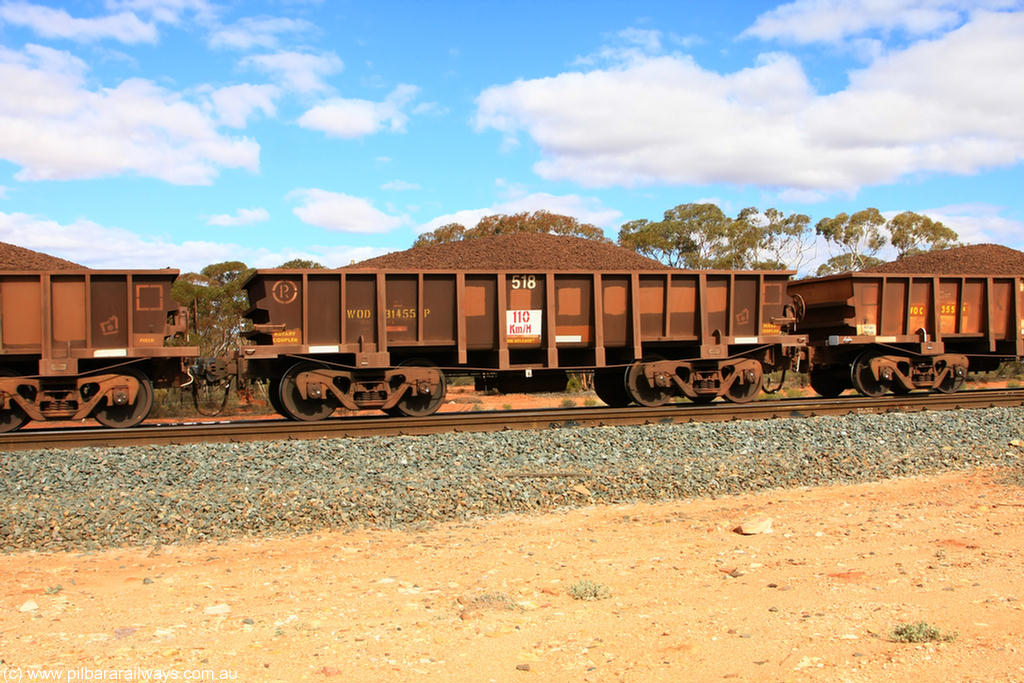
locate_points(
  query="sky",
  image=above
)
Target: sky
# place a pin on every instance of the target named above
(181, 133)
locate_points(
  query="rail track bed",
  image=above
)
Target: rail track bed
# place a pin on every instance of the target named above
(486, 421)
(479, 464)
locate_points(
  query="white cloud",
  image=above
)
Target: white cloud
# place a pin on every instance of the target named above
(3, 191)
(353, 118)
(56, 128)
(980, 224)
(583, 209)
(251, 32)
(396, 186)
(947, 105)
(329, 256)
(341, 212)
(97, 246)
(830, 21)
(56, 23)
(168, 11)
(791, 195)
(235, 103)
(648, 40)
(300, 72)
(240, 217)
(627, 45)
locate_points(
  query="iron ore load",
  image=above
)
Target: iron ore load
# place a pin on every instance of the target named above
(87, 343)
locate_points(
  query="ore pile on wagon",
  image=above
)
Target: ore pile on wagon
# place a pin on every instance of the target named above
(536, 251)
(13, 257)
(973, 259)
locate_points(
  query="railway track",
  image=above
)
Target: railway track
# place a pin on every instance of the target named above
(345, 427)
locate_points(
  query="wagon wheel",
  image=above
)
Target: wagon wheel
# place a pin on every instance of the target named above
(830, 383)
(953, 381)
(862, 379)
(131, 414)
(14, 416)
(743, 392)
(274, 396)
(642, 391)
(610, 387)
(293, 406)
(420, 405)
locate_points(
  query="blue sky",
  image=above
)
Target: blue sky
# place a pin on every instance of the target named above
(152, 133)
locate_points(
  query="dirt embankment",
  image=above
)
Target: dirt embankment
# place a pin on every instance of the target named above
(681, 595)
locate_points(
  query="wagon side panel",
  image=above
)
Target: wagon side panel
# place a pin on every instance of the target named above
(20, 305)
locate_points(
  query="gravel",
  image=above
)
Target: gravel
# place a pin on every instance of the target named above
(93, 498)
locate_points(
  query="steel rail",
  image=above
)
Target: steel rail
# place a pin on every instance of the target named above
(346, 427)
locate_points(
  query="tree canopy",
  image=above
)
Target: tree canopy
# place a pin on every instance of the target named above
(702, 236)
(218, 301)
(302, 263)
(500, 224)
(859, 237)
(912, 233)
(784, 242)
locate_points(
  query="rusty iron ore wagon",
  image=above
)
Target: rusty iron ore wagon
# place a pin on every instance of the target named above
(389, 339)
(76, 344)
(879, 332)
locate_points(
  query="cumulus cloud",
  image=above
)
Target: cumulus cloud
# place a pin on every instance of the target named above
(945, 105)
(57, 23)
(240, 217)
(252, 32)
(341, 212)
(55, 127)
(168, 11)
(98, 246)
(353, 118)
(234, 104)
(980, 224)
(583, 209)
(300, 72)
(831, 21)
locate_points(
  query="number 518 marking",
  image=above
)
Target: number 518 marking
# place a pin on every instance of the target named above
(524, 282)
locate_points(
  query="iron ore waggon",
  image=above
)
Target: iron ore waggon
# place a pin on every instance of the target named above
(91, 343)
(390, 339)
(879, 332)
